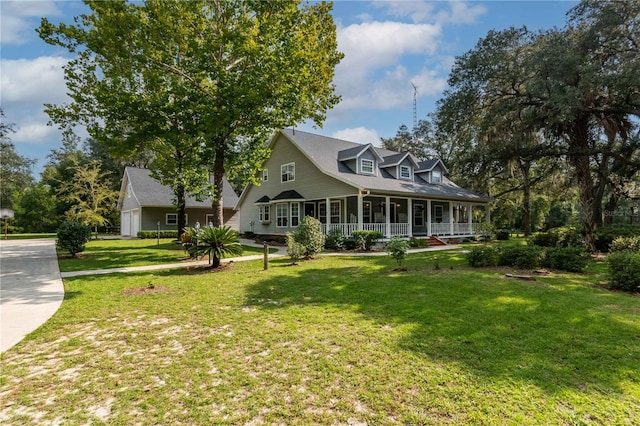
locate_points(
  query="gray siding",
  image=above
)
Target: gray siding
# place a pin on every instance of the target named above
(309, 182)
(152, 215)
(129, 202)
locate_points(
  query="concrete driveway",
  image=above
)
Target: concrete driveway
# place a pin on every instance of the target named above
(31, 289)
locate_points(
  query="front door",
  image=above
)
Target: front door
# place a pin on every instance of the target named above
(310, 210)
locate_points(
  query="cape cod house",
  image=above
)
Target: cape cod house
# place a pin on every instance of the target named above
(144, 202)
(352, 187)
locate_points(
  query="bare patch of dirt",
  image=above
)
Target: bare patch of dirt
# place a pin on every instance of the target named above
(150, 289)
(203, 269)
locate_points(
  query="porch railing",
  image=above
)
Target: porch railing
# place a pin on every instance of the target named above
(402, 229)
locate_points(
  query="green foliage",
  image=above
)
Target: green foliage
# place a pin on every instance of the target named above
(565, 236)
(606, 234)
(309, 234)
(397, 248)
(572, 259)
(624, 270)
(483, 256)
(72, 237)
(295, 250)
(335, 239)
(418, 242)
(626, 243)
(521, 257)
(367, 239)
(165, 233)
(484, 231)
(35, 210)
(502, 234)
(15, 170)
(217, 242)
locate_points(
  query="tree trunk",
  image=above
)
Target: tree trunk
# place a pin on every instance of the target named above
(525, 168)
(218, 176)
(181, 209)
(610, 208)
(579, 157)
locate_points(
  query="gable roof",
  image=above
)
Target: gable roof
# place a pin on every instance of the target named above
(428, 165)
(151, 193)
(356, 151)
(395, 159)
(324, 152)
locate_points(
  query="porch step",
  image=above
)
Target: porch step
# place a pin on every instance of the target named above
(435, 241)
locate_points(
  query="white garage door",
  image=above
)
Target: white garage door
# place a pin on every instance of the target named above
(135, 222)
(125, 223)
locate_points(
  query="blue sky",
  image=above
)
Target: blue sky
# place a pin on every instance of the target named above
(387, 46)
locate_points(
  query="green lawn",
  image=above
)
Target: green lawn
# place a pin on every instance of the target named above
(103, 254)
(336, 340)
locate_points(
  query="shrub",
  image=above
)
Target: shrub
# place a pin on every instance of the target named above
(566, 236)
(606, 235)
(502, 234)
(418, 242)
(572, 259)
(351, 243)
(624, 270)
(154, 234)
(295, 250)
(397, 248)
(309, 234)
(367, 238)
(484, 231)
(335, 239)
(521, 257)
(626, 243)
(72, 237)
(217, 242)
(483, 256)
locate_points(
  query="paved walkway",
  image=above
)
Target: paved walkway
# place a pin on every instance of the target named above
(31, 289)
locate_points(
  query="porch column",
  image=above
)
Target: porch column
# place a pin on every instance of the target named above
(360, 210)
(387, 218)
(450, 217)
(428, 218)
(328, 218)
(470, 218)
(409, 217)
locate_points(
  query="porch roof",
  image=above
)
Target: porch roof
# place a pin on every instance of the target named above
(323, 152)
(288, 195)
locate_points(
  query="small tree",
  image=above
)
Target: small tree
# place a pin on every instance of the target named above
(309, 234)
(217, 242)
(367, 238)
(72, 237)
(397, 247)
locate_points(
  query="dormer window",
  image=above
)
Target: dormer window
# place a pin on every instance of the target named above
(366, 166)
(405, 172)
(436, 176)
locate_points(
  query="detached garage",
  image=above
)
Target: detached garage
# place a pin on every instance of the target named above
(144, 202)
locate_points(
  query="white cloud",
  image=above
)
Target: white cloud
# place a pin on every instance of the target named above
(18, 19)
(459, 12)
(359, 135)
(33, 81)
(36, 133)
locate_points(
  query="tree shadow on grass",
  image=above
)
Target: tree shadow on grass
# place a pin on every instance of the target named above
(555, 337)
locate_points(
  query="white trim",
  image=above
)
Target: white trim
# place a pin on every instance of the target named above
(431, 177)
(285, 217)
(265, 175)
(400, 169)
(291, 204)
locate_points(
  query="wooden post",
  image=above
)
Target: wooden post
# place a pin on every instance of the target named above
(266, 256)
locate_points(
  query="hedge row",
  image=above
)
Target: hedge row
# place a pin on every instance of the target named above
(573, 259)
(154, 234)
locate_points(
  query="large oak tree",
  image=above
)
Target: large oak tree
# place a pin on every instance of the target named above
(201, 83)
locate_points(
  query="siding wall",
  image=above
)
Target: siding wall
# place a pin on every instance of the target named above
(309, 182)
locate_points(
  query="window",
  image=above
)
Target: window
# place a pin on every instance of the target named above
(366, 211)
(366, 166)
(209, 219)
(438, 214)
(405, 172)
(295, 214)
(418, 215)
(288, 172)
(436, 176)
(172, 219)
(265, 214)
(282, 215)
(265, 175)
(335, 212)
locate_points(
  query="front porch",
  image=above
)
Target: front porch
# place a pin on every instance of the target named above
(405, 217)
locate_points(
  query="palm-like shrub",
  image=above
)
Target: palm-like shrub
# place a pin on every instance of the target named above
(217, 242)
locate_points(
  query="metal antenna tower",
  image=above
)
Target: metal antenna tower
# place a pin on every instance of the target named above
(415, 105)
